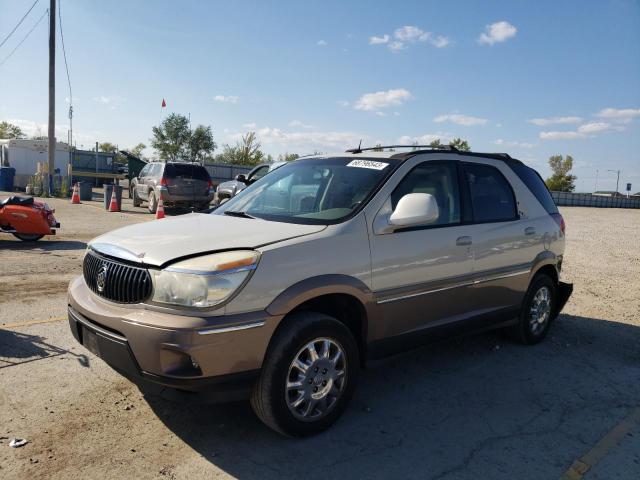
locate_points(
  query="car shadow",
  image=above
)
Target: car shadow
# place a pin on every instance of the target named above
(475, 407)
(42, 245)
(18, 348)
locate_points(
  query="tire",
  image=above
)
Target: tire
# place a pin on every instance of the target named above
(28, 237)
(153, 203)
(530, 330)
(273, 402)
(136, 200)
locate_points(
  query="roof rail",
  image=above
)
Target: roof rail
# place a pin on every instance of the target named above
(382, 147)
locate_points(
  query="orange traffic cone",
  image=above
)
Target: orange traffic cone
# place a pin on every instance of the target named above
(160, 209)
(75, 196)
(113, 206)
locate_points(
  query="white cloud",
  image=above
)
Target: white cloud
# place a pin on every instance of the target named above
(560, 135)
(226, 98)
(251, 125)
(411, 34)
(619, 114)
(321, 43)
(543, 122)
(305, 141)
(110, 101)
(298, 123)
(31, 129)
(458, 119)
(343, 103)
(497, 32)
(381, 114)
(440, 41)
(598, 127)
(379, 40)
(396, 46)
(383, 99)
(513, 144)
(425, 139)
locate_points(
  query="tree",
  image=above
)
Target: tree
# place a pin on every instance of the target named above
(171, 137)
(378, 148)
(436, 143)
(137, 150)
(460, 144)
(561, 180)
(245, 152)
(9, 130)
(174, 140)
(288, 157)
(201, 144)
(107, 147)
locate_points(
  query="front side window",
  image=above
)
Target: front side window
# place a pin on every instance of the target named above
(311, 191)
(437, 179)
(259, 173)
(491, 195)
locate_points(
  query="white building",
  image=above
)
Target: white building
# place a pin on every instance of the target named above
(24, 155)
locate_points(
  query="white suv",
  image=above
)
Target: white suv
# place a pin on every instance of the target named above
(284, 292)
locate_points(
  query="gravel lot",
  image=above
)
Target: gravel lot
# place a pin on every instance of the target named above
(477, 407)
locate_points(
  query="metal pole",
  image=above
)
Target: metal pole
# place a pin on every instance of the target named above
(617, 181)
(596, 189)
(48, 187)
(96, 164)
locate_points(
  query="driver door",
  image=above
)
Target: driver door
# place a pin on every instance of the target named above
(422, 274)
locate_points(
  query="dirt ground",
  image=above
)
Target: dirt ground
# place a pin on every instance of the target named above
(477, 407)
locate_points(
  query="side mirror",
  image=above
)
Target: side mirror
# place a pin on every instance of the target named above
(415, 209)
(241, 178)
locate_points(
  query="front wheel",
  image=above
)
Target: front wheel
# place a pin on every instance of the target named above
(537, 311)
(28, 237)
(308, 376)
(136, 200)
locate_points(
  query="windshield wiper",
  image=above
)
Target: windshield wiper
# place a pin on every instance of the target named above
(235, 213)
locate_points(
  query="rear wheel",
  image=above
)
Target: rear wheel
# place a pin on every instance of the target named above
(537, 311)
(28, 237)
(153, 203)
(308, 376)
(136, 200)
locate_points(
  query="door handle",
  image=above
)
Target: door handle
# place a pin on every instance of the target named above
(463, 241)
(530, 231)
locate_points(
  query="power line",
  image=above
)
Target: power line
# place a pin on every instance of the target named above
(64, 52)
(19, 23)
(25, 37)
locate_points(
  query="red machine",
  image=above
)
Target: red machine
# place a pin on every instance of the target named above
(27, 219)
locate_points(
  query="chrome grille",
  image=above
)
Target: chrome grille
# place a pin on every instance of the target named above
(116, 281)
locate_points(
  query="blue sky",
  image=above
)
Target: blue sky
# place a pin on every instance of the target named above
(529, 78)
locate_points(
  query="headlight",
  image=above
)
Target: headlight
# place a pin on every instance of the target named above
(203, 281)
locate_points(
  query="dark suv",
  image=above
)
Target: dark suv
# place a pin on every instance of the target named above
(179, 184)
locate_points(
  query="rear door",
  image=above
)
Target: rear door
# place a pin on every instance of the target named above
(201, 181)
(503, 243)
(141, 187)
(180, 183)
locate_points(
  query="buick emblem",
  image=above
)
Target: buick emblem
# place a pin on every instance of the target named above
(101, 278)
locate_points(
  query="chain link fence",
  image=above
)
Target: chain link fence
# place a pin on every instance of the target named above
(564, 199)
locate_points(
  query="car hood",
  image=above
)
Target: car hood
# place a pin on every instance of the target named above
(160, 241)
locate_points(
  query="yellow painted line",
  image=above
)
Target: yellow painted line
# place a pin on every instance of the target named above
(600, 450)
(31, 322)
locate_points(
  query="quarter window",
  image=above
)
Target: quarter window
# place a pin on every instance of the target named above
(491, 195)
(437, 179)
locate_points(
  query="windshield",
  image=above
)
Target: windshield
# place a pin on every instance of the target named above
(311, 191)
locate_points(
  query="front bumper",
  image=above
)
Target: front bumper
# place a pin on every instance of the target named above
(168, 354)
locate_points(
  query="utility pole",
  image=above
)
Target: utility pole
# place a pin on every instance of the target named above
(618, 179)
(48, 184)
(596, 181)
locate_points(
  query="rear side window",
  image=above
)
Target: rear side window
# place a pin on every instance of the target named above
(534, 182)
(491, 195)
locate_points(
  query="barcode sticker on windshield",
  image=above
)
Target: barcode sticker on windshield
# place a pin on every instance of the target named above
(367, 164)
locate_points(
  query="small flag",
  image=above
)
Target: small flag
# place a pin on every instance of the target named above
(164, 104)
